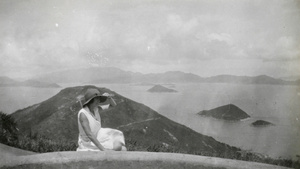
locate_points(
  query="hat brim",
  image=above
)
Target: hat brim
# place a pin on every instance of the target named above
(101, 96)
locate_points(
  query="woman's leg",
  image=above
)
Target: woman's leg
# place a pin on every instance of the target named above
(124, 148)
(119, 143)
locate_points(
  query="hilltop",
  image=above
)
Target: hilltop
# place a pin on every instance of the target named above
(144, 129)
(226, 112)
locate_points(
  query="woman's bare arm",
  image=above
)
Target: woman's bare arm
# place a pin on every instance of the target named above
(112, 102)
(86, 127)
(109, 100)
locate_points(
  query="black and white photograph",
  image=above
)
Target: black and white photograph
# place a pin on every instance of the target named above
(150, 84)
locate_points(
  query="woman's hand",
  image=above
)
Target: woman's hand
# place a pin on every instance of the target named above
(107, 94)
(111, 100)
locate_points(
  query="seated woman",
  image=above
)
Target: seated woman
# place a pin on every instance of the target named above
(91, 136)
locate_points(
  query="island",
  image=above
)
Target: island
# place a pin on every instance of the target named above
(261, 123)
(227, 112)
(160, 89)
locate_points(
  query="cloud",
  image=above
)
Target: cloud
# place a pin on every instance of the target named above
(45, 37)
(283, 49)
(286, 49)
(286, 42)
(222, 37)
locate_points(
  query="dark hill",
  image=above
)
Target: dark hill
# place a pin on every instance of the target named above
(227, 112)
(144, 129)
(160, 89)
(261, 123)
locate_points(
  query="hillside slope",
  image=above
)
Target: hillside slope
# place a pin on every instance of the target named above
(144, 129)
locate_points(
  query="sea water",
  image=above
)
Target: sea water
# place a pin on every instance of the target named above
(15, 98)
(279, 105)
(276, 104)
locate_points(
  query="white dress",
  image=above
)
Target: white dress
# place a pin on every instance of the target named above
(106, 136)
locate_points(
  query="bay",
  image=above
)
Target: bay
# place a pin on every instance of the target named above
(15, 98)
(279, 105)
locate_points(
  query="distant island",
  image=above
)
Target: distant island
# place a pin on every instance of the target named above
(8, 82)
(226, 112)
(261, 123)
(161, 89)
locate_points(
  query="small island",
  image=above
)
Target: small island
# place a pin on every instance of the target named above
(261, 123)
(227, 112)
(161, 89)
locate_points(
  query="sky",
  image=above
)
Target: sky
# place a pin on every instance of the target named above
(204, 37)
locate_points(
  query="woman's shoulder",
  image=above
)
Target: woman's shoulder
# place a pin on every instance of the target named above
(83, 110)
(83, 113)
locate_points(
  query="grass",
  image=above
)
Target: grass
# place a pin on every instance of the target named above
(134, 145)
(42, 144)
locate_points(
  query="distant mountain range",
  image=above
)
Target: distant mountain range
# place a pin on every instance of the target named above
(262, 79)
(114, 75)
(56, 118)
(6, 81)
(290, 78)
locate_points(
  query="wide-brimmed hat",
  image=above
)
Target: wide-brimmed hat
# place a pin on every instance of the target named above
(90, 94)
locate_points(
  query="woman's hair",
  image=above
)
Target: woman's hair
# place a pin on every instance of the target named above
(90, 102)
(103, 98)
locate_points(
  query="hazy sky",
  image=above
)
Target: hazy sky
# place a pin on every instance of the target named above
(204, 37)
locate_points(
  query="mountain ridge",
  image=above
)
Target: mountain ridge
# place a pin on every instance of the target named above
(116, 75)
